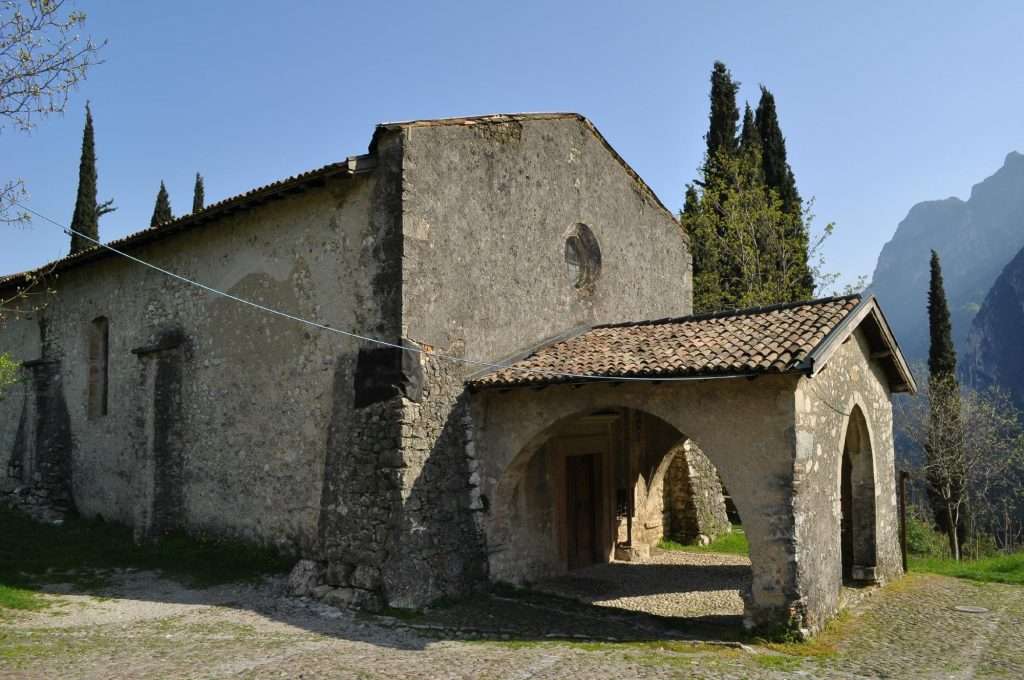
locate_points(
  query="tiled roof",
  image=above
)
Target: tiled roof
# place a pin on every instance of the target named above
(763, 340)
(353, 165)
(272, 191)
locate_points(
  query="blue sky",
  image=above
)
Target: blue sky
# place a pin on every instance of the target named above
(883, 104)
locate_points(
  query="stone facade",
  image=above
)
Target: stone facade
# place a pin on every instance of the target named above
(462, 244)
(852, 388)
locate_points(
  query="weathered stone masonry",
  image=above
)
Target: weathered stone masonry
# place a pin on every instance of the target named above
(376, 464)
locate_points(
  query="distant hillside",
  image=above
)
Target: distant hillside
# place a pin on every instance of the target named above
(995, 346)
(975, 240)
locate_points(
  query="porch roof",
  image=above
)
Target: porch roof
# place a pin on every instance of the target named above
(796, 337)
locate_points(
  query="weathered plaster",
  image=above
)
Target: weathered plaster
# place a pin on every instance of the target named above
(252, 392)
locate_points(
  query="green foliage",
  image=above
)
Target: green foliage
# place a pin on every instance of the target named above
(999, 569)
(743, 251)
(12, 597)
(941, 352)
(162, 209)
(946, 471)
(777, 173)
(923, 540)
(8, 373)
(732, 543)
(749, 139)
(86, 218)
(198, 195)
(80, 550)
(721, 138)
(749, 231)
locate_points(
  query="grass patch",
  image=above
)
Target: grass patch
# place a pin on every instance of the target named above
(778, 662)
(20, 598)
(732, 543)
(80, 552)
(998, 569)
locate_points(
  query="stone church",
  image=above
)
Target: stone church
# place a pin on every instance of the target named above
(546, 399)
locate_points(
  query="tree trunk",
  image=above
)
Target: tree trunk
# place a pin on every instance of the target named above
(954, 538)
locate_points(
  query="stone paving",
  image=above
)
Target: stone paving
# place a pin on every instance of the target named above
(147, 627)
(669, 583)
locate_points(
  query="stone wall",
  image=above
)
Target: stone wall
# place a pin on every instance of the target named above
(487, 208)
(824, 405)
(218, 414)
(694, 505)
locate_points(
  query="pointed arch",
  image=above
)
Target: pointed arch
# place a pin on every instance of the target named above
(858, 498)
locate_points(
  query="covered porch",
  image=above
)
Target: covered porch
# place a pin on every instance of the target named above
(573, 462)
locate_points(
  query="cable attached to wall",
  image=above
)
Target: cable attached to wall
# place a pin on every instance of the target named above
(325, 327)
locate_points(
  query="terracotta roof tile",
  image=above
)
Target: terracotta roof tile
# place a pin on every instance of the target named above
(763, 340)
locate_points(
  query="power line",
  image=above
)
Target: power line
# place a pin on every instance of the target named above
(365, 338)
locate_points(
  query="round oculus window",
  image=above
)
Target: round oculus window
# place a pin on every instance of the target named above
(582, 257)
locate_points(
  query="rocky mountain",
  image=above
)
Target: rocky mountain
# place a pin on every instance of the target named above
(995, 346)
(975, 239)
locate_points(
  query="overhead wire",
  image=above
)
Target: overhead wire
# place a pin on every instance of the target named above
(365, 338)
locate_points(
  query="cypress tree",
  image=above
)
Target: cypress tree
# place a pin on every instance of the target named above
(749, 136)
(86, 218)
(778, 177)
(198, 195)
(162, 209)
(724, 115)
(945, 429)
(941, 352)
(777, 173)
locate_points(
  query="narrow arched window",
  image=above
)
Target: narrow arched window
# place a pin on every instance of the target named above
(99, 366)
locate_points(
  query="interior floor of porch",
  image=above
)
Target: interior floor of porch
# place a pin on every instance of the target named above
(670, 583)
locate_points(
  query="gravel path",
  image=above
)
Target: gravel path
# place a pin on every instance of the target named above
(670, 583)
(147, 627)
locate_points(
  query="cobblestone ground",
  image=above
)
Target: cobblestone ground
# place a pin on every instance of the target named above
(146, 627)
(669, 583)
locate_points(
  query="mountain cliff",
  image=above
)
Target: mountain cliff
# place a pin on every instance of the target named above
(995, 346)
(975, 239)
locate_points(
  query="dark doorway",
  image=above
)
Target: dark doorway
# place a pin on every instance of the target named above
(846, 508)
(581, 489)
(857, 503)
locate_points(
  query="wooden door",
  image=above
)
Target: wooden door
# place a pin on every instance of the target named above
(581, 493)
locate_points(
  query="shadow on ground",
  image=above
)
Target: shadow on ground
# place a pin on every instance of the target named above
(82, 561)
(502, 614)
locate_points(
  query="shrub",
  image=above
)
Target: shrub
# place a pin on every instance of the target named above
(922, 538)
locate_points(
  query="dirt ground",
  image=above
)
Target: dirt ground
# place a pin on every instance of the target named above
(145, 626)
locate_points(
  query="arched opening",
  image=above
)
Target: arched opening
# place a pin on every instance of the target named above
(857, 503)
(586, 508)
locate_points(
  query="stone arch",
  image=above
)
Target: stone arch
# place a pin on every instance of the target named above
(694, 499)
(858, 498)
(746, 428)
(631, 451)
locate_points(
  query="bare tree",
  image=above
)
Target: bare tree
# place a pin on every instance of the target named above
(42, 59)
(974, 476)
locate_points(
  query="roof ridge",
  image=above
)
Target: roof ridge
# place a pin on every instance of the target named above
(208, 213)
(727, 313)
